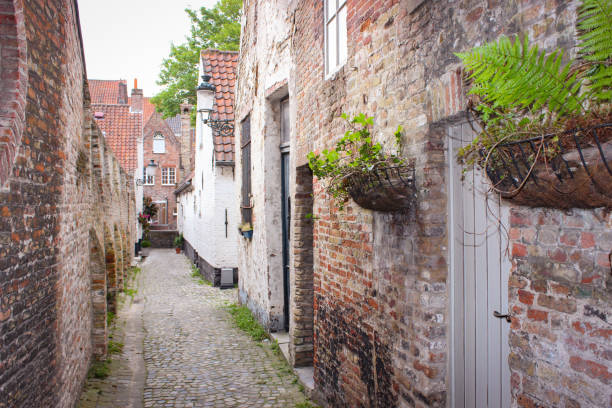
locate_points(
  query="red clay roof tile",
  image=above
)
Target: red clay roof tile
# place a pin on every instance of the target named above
(221, 66)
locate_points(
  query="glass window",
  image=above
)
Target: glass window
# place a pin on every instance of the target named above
(168, 176)
(335, 35)
(149, 180)
(159, 143)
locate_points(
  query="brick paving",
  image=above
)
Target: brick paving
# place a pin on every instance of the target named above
(193, 354)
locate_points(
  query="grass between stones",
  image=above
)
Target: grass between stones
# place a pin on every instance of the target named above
(245, 321)
(99, 369)
(195, 273)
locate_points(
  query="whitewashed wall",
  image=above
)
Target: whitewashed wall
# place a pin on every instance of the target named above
(260, 260)
(201, 217)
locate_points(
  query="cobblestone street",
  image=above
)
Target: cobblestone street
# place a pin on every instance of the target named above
(194, 356)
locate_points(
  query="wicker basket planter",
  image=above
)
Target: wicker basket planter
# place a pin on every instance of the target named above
(577, 175)
(384, 189)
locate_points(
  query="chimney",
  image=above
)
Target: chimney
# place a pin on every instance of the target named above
(122, 99)
(137, 98)
(187, 152)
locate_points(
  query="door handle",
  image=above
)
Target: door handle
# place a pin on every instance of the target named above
(502, 316)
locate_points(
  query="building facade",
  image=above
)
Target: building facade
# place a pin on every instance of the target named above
(398, 308)
(208, 214)
(67, 210)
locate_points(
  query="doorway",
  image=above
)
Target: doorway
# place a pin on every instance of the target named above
(480, 374)
(285, 203)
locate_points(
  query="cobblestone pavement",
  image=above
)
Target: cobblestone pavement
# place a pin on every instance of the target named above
(193, 354)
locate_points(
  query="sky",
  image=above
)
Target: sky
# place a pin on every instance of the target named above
(127, 39)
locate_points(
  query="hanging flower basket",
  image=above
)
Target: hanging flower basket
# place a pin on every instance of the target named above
(384, 188)
(573, 169)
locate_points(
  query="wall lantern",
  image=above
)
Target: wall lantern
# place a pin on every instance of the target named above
(206, 99)
(149, 171)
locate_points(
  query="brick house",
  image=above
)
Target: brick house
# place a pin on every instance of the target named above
(67, 210)
(397, 309)
(208, 212)
(137, 133)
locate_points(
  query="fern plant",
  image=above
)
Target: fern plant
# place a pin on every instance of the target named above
(524, 92)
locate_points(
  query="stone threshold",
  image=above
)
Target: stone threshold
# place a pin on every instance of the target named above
(305, 374)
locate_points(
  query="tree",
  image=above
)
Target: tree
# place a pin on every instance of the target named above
(219, 28)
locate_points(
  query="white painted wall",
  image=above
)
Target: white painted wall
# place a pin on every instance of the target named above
(260, 260)
(201, 217)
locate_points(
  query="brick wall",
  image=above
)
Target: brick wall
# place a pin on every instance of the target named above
(560, 299)
(381, 300)
(63, 188)
(171, 158)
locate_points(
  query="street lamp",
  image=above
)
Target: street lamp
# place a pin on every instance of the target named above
(149, 171)
(206, 99)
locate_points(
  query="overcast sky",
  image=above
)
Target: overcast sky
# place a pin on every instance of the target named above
(127, 39)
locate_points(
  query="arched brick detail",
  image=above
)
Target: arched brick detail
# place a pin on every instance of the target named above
(97, 271)
(13, 83)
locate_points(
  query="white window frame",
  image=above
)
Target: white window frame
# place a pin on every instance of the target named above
(149, 180)
(338, 5)
(158, 137)
(168, 176)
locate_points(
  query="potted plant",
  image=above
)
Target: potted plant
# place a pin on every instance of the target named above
(359, 168)
(545, 134)
(178, 243)
(246, 230)
(146, 247)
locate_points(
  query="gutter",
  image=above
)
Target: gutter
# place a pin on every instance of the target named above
(185, 187)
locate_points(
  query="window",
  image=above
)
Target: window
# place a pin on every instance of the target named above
(168, 176)
(245, 148)
(335, 35)
(159, 143)
(149, 180)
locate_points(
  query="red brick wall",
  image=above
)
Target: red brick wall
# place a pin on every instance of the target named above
(13, 83)
(381, 294)
(169, 159)
(62, 188)
(561, 348)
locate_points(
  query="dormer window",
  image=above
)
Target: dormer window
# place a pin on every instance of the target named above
(159, 143)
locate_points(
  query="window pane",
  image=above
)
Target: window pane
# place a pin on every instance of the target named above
(342, 46)
(332, 58)
(331, 8)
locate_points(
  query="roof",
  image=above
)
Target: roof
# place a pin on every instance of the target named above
(175, 124)
(221, 66)
(121, 129)
(108, 91)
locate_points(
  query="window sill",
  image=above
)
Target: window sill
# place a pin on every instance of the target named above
(333, 75)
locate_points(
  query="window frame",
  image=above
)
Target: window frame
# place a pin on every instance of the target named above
(169, 171)
(162, 138)
(246, 188)
(339, 5)
(147, 178)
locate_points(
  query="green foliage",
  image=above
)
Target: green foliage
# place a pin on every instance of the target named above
(115, 347)
(178, 241)
(244, 320)
(99, 369)
(524, 92)
(145, 243)
(355, 153)
(110, 318)
(514, 75)
(595, 35)
(219, 28)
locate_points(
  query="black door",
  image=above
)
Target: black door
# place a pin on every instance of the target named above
(286, 214)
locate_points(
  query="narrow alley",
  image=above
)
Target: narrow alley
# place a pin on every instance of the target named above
(193, 354)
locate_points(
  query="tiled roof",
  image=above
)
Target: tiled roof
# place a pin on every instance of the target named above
(147, 107)
(221, 66)
(175, 124)
(122, 130)
(108, 91)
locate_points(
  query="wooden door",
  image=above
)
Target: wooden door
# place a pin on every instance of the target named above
(285, 203)
(479, 282)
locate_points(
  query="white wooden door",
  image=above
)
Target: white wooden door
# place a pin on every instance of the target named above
(479, 286)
